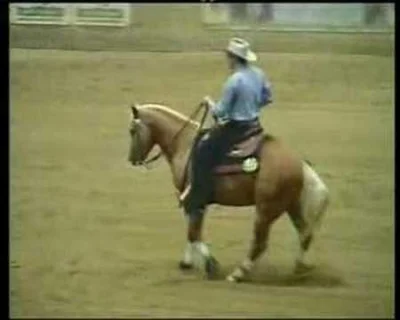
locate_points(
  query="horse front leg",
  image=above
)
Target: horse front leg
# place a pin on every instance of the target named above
(195, 247)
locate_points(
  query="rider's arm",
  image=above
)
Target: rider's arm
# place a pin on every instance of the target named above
(266, 94)
(221, 109)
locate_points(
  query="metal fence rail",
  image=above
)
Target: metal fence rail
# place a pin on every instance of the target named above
(294, 17)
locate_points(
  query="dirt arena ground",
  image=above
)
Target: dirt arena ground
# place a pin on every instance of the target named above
(93, 237)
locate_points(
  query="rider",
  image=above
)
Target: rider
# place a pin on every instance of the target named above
(245, 92)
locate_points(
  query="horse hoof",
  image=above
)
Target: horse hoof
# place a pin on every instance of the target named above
(232, 279)
(212, 268)
(185, 265)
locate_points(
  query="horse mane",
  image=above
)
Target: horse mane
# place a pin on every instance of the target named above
(168, 112)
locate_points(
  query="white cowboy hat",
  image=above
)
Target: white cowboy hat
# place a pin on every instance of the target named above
(241, 48)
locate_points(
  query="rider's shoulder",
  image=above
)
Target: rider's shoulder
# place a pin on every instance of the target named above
(233, 78)
(258, 70)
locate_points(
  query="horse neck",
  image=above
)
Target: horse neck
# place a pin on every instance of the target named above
(165, 127)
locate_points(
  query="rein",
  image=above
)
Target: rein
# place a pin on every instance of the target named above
(145, 162)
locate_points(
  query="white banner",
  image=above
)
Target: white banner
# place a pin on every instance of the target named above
(101, 14)
(88, 14)
(39, 13)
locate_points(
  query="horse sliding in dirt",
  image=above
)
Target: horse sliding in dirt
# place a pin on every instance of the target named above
(259, 171)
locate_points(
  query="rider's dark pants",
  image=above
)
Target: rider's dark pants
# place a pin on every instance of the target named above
(208, 153)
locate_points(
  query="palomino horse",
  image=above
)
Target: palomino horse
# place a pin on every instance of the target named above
(282, 183)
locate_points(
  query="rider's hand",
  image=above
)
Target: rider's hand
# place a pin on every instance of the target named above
(208, 101)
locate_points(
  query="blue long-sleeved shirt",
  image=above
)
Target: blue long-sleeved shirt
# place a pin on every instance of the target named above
(245, 92)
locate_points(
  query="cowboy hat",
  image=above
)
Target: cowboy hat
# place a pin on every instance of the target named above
(241, 49)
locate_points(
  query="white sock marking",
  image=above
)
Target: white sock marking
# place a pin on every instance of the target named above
(188, 255)
(202, 248)
(247, 264)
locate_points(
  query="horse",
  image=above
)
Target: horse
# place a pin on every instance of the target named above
(282, 183)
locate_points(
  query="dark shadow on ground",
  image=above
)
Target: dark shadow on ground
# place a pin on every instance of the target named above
(322, 276)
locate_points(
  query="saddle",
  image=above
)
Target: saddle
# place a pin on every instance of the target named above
(243, 157)
(248, 146)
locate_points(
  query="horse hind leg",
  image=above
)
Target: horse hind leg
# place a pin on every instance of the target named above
(306, 214)
(305, 234)
(259, 243)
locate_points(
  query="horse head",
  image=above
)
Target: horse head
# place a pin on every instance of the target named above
(154, 124)
(141, 142)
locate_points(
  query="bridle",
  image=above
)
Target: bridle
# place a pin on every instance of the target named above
(146, 162)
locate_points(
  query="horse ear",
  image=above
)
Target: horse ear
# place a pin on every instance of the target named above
(135, 111)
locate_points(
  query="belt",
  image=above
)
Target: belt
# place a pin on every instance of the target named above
(252, 122)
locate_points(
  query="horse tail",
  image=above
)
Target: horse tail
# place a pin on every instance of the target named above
(314, 198)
